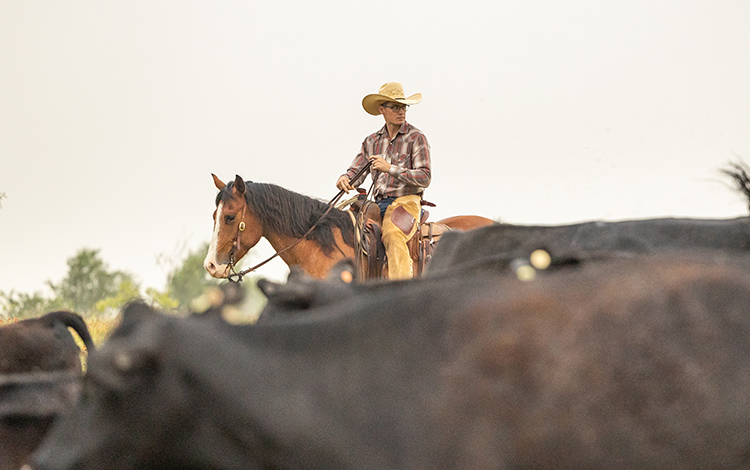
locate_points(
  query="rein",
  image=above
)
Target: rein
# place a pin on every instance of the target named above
(237, 276)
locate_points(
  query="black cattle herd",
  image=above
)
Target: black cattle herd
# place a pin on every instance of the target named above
(630, 350)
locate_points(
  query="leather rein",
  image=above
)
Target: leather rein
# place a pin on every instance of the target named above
(237, 276)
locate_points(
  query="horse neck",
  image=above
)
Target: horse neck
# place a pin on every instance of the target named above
(307, 254)
(304, 254)
(281, 242)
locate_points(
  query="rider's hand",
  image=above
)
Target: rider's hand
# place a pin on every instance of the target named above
(343, 183)
(379, 163)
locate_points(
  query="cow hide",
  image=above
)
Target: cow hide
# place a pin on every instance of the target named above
(40, 377)
(493, 247)
(626, 363)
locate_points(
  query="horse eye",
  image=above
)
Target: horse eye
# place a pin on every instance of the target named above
(229, 219)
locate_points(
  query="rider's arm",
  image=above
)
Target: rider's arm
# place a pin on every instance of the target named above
(357, 164)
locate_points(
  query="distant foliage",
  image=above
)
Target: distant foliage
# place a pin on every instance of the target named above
(88, 281)
(21, 305)
(162, 299)
(126, 291)
(97, 292)
(89, 288)
(190, 280)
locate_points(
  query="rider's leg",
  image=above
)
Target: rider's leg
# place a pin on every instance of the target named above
(398, 228)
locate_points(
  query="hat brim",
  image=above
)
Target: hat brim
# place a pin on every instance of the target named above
(371, 103)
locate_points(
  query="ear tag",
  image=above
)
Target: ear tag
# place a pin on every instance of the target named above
(242, 226)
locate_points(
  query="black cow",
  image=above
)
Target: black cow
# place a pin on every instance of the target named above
(43, 344)
(40, 377)
(488, 247)
(494, 247)
(629, 363)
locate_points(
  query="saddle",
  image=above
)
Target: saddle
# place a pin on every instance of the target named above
(370, 257)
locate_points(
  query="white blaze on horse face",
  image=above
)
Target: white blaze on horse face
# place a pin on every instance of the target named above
(211, 263)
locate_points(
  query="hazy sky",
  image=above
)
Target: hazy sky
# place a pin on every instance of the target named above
(113, 114)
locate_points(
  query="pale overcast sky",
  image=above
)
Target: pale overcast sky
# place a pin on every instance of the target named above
(113, 114)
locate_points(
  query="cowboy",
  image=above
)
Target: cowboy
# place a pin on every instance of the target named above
(400, 170)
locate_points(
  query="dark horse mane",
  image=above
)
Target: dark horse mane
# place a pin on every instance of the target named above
(292, 214)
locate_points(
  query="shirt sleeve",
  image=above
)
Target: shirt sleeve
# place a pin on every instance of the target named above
(420, 174)
(358, 163)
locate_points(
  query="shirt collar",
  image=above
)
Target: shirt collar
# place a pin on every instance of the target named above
(401, 130)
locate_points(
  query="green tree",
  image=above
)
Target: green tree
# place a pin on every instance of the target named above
(126, 291)
(21, 305)
(190, 280)
(162, 299)
(88, 281)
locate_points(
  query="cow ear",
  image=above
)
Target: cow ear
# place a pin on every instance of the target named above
(137, 311)
(291, 294)
(219, 184)
(133, 315)
(297, 275)
(269, 288)
(239, 185)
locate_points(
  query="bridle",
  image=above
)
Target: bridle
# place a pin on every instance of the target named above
(237, 276)
(236, 244)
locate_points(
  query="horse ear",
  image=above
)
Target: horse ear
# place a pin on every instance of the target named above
(219, 184)
(239, 185)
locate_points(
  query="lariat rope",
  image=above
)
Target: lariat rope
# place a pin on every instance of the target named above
(237, 276)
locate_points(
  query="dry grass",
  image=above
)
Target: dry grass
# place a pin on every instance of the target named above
(100, 329)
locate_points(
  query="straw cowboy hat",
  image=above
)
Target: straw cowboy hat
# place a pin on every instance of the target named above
(391, 91)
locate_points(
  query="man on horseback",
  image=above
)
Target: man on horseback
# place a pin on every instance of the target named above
(400, 170)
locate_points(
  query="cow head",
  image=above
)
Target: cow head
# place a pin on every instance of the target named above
(143, 404)
(303, 292)
(126, 368)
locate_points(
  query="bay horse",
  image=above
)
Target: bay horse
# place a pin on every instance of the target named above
(246, 211)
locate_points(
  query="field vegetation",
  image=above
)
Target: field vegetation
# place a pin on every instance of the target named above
(97, 293)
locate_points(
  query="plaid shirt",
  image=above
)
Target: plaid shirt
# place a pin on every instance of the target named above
(409, 156)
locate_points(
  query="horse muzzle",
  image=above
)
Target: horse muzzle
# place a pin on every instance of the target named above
(214, 269)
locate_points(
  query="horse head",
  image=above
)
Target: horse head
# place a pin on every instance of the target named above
(236, 228)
